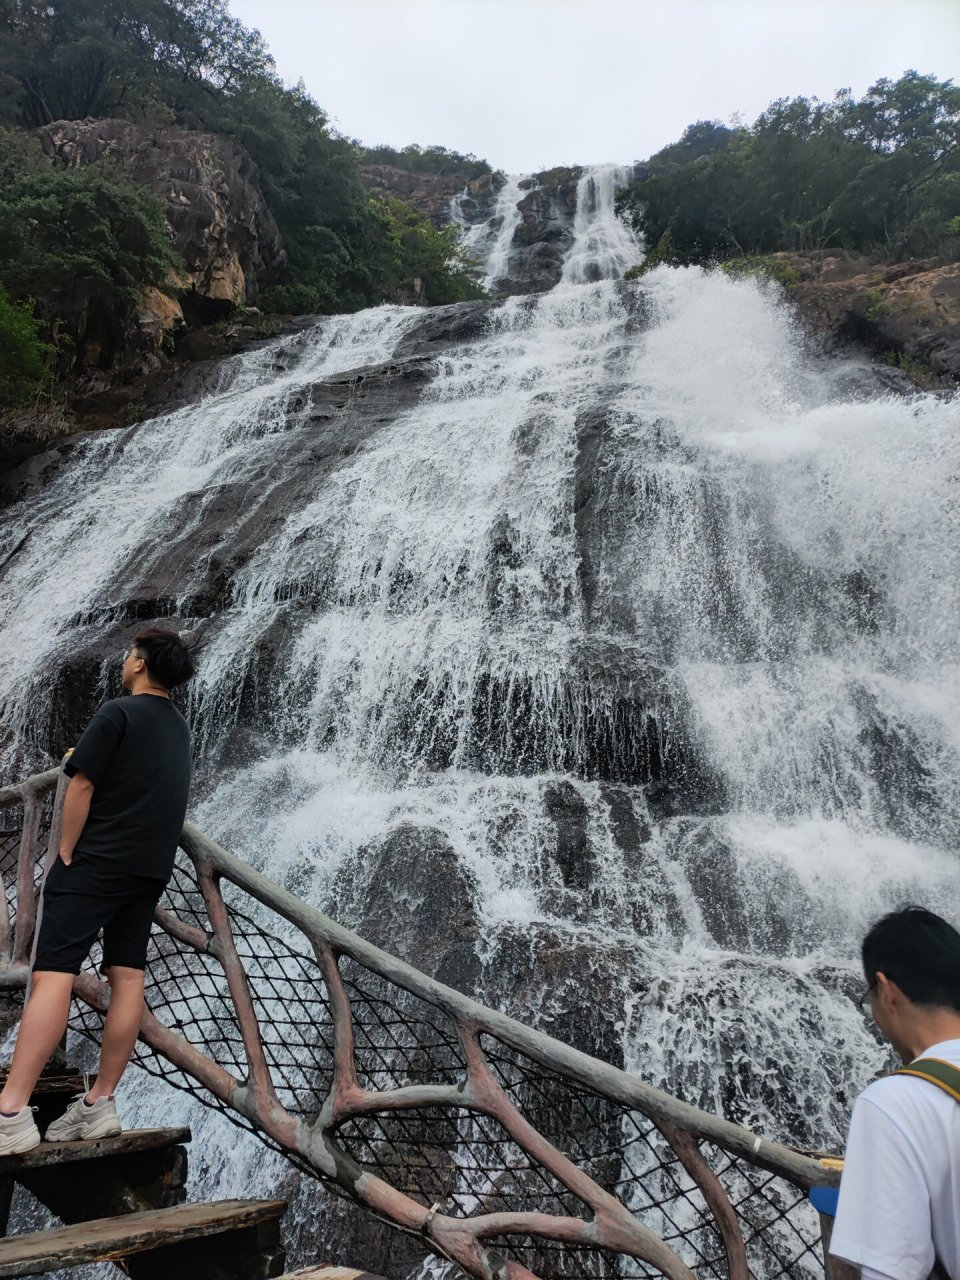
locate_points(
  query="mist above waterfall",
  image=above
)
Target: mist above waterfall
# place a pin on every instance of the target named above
(642, 612)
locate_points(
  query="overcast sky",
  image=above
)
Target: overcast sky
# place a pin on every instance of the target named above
(528, 84)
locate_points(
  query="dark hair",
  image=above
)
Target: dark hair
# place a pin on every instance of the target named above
(168, 659)
(918, 951)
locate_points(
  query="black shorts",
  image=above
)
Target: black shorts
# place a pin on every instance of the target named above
(81, 899)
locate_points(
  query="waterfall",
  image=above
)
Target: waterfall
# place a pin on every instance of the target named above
(489, 242)
(604, 247)
(649, 611)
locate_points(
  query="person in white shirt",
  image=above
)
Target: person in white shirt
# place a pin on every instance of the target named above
(898, 1216)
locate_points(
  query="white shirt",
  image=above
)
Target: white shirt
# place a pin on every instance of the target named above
(900, 1190)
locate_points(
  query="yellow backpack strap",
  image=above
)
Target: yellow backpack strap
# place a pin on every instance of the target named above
(943, 1074)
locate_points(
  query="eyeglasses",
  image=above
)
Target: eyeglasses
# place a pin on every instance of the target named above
(861, 1003)
(128, 651)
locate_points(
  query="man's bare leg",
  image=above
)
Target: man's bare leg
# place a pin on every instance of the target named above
(41, 1028)
(120, 1030)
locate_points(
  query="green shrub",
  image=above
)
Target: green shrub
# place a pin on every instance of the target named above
(762, 268)
(23, 354)
(877, 307)
(67, 236)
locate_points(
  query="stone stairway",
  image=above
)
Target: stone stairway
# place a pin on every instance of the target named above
(123, 1199)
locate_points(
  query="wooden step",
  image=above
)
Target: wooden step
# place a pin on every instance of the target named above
(106, 1239)
(127, 1143)
(70, 1083)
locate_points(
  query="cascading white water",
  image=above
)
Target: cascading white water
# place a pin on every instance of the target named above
(758, 559)
(490, 242)
(604, 247)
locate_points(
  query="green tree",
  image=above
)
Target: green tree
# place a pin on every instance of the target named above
(416, 257)
(23, 354)
(67, 59)
(881, 175)
(83, 243)
(416, 159)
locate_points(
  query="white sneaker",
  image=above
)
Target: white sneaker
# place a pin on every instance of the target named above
(18, 1133)
(82, 1121)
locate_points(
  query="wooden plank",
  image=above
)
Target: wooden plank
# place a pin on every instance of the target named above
(70, 1084)
(133, 1182)
(127, 1143)
(111, 1238)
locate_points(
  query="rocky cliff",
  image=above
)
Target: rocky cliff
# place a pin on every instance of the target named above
(431, 193)
(219, 221)
(230, 247)
(907, 313)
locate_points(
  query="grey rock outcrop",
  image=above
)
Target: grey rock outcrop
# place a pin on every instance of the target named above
(546, 211)
(545, 233)
(431, 193)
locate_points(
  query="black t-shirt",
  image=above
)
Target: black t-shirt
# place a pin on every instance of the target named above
(136, 752)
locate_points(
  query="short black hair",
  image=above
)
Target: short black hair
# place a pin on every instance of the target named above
(168, 659)
(920, 952)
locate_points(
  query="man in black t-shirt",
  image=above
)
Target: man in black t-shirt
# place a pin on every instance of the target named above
(122, 816)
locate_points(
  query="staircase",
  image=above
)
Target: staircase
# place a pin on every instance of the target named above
(123, 1199)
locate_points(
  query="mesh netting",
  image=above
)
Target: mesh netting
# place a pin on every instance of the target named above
(10, 833)
(465, 1161)
(9, 848)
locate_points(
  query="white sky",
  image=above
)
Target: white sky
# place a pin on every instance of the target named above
(528, 84)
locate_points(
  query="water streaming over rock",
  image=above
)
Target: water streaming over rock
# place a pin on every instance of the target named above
(489, 240)
(604, 248)
(614, 611)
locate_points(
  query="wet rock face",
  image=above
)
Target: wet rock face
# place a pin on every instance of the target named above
(431, 193)
(419, 904)
(573, 987)
(908, 312)
(209, 186)
(544, 233)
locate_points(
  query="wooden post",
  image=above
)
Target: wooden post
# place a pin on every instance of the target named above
(26, 859)
(53, 852)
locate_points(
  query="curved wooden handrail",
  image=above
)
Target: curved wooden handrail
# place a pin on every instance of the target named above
(607, 1222)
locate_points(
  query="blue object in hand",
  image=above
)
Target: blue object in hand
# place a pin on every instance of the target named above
(824, 1199)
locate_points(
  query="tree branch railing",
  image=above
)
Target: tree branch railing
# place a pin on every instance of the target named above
(504, 1150)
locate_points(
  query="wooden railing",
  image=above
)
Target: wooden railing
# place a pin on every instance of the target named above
(431, 1111)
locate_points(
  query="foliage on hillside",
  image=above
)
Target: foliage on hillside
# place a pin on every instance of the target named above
(74, 238)
(22, 353)
(415, 159)
(76, 249)
(192, 63)
(880, 175)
